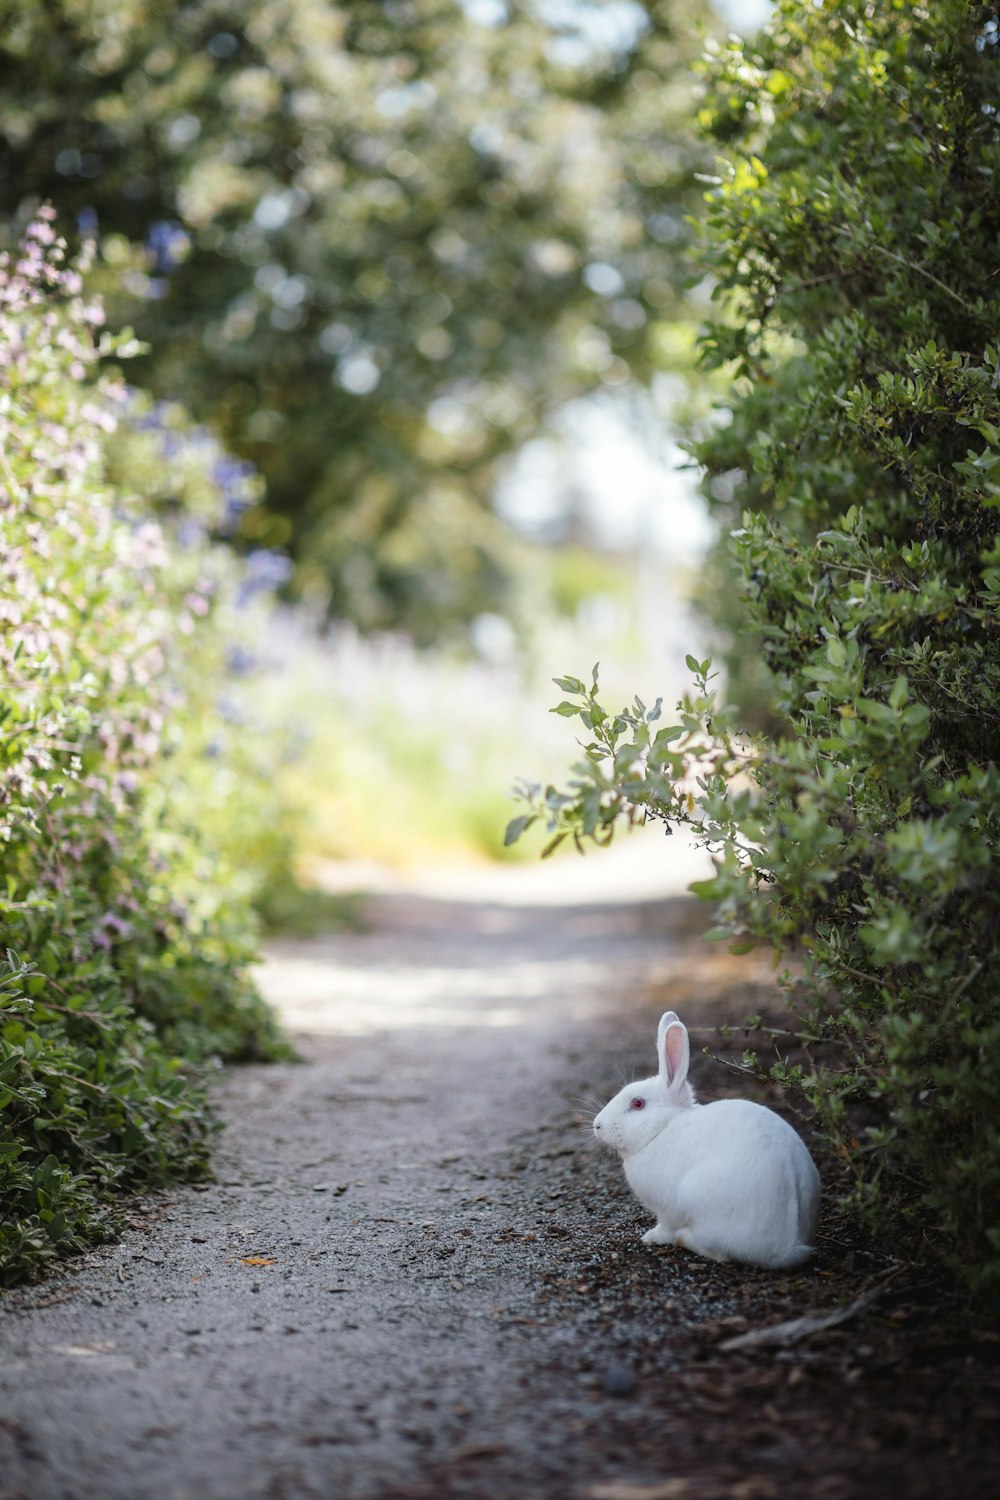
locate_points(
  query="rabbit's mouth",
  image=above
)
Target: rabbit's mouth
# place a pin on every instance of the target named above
(604, 1139)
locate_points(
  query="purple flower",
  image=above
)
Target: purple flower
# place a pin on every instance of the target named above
(230, 473)
(239, 661)
(109, 928)
(169, 244)
(266, 571)
(190, 533)
(235, 506)
(153, 420)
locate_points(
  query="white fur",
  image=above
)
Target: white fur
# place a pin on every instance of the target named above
(729, 1180)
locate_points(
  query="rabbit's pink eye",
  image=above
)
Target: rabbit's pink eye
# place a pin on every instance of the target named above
(637, 1104)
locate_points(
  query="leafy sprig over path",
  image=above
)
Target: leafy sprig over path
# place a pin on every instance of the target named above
(852, 233)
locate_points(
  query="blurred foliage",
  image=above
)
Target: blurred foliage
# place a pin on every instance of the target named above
(136, 816)
(852, 235)
(372, 244)
(400, 755)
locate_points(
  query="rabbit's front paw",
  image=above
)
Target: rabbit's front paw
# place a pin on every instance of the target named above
(657, 1236)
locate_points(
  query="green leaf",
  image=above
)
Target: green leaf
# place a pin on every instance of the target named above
(517, 826)
(567, 710)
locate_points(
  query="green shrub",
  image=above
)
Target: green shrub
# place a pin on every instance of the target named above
(126, 927)
(852, 234)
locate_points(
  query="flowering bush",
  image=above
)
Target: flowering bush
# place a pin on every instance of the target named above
(126, 931)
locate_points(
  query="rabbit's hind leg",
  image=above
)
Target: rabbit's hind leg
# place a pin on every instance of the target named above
(704, 1244)
(708, 1224)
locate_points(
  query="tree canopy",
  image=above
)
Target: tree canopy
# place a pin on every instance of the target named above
(372, 244)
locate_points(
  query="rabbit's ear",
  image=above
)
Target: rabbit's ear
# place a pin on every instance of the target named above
(675, 1052)
(669, 1018)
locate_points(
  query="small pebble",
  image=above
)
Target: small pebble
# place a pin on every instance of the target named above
(619, 1382)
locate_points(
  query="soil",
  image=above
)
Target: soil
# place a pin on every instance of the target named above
(417, 1276)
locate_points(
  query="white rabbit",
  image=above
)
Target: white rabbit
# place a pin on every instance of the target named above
(729, 1180)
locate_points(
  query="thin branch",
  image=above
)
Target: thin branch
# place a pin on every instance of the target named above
(795, 1330)
(911, 265)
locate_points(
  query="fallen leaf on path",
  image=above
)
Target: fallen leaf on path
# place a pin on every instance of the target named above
(258, 1260)
(473, 1451)
(623, 1489)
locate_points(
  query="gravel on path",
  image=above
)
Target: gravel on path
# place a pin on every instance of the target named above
(417, 1277)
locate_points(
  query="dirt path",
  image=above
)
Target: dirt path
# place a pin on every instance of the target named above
(416, 1277)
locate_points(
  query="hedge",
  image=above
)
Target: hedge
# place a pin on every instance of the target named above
(851, 235)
